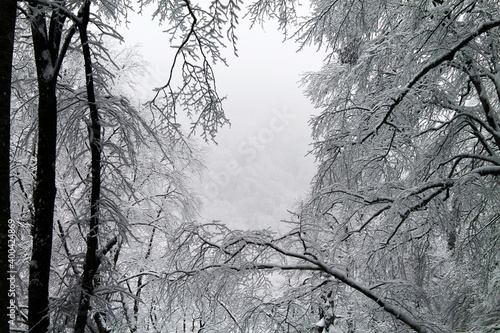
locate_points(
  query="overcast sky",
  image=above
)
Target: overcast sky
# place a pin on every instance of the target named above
(259, 168)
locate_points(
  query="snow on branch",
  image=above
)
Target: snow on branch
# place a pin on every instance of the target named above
(255, 259)
(447, 56)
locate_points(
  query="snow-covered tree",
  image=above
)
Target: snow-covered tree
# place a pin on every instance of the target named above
(76, 105)
(402, 220)
(400, 230)
(408, 151)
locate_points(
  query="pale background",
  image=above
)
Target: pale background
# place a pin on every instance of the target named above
(259, 169)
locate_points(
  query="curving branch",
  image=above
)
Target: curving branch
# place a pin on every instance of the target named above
(447, 56)
(487, 106)
(312, 264)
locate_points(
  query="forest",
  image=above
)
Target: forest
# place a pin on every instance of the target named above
(99, 223)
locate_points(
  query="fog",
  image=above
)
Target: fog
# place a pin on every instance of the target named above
(259, 167)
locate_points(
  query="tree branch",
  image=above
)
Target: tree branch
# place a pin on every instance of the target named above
(447, 56)
(317, 265)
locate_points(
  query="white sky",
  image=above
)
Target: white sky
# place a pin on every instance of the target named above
(258, 170)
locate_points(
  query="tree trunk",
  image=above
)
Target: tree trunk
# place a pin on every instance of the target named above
(7, 29)
(46, 49)
(44, 195)
(92, 261)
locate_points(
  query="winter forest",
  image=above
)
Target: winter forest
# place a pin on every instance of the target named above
(100, 226)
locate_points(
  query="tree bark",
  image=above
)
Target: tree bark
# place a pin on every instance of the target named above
(7, 30)
(47, 59)
(92, 261)
(44, 196)
(45, 189)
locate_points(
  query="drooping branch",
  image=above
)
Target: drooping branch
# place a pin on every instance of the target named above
(308, 264)
(447, 56)
(396, 311)
(198, 92)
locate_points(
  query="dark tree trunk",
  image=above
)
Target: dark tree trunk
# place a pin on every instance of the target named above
(45, 189)
(92, 261)
(47, 59)
(7, 29)
(44, 195)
